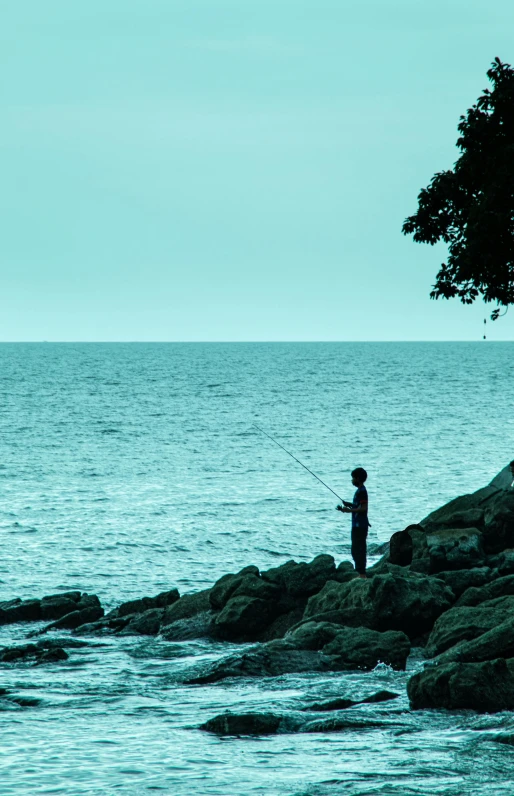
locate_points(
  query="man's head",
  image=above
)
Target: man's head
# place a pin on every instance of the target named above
(359, 475)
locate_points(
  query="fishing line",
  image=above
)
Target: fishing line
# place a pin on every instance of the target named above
(297, 460)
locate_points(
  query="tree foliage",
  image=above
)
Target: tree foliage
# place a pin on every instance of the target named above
(471, 208)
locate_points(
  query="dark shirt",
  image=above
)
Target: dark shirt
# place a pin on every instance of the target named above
(360, 519)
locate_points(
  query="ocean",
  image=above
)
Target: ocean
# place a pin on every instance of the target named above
(130, 469)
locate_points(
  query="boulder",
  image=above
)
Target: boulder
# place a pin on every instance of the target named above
(144, 604)
(455, 548)
(224, 587)
(57, 605)
(396, 600)
(343, 704)
(87, 609)
(490, 510)
(401, 549)
(187, 606)
(144, 624)
(352, 648)
(302, 580)
(36, 653)
(313, 649)
(18, 610)
(264, 660)
(485, 687)
(243, 724)
(463, 623)
(244, 618)
(495, 643)
(53, 606)
(459, 580)
(497, 588)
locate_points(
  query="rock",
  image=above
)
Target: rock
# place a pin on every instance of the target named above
(224, 587)
(396, 600)
(264, 660)
(495, 643)
(243, 724)
(460, 580)
(20, 611)
(345, 571)
(485, 687)
(302, 580)
(401, 549)
(361, 648)
(343, 704)
(490, 510)
(53, 606)
(455, 548)
(57, 605)
(187, 606)
(269, 724)
(464, 623)
(497, 588)
(144, 604)
(312, 635)
(87, 609)
(38, 653)
(244, 618)
(504, 562)
(199, 626)
(330, 649)
(144, 624)
(338, 724)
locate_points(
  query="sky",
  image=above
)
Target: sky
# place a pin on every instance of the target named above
(207, 170)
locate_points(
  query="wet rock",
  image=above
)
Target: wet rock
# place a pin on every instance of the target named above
(343, 704)
(455, 548)
(302, 579)
(497, 588)
(401, 548)
(187, 606)
(397, 600)
(346, 571)
(225, 586)
(57, 605)
(490, 510)
(144, 624)
(243, 724)
(199, 626)
(352, 648)
(87, 609)
(269, 724)
(460, 580)
(465, 623)
(495, 643)
(36, 653)
(264, 660)
(504, 562)
(312, 635)
(53, 606)
(244, 618)
(328, 649)
(18, 610)
(144, 604)
(361, 648)
(485, 687)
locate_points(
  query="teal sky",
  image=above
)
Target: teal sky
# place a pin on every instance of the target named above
(232, 169)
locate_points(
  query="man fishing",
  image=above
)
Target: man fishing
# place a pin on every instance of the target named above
(359, 511)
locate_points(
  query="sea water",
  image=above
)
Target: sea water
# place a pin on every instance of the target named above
(130, 469)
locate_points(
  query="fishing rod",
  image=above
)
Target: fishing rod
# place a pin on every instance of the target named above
(299, 462)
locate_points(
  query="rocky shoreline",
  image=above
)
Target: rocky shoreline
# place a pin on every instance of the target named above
(445, 585)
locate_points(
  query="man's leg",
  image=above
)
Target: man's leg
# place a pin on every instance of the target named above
(359, 536)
